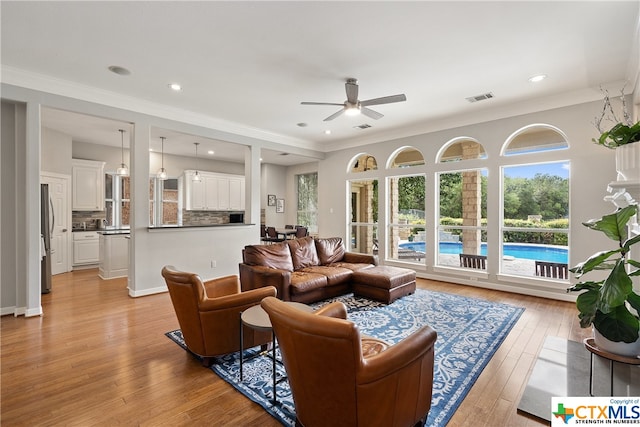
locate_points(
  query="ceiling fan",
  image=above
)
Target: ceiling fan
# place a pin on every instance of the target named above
(352, 106)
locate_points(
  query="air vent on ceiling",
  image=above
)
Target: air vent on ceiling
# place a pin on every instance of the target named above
(284, 154)
(482, 97)
(362, 126)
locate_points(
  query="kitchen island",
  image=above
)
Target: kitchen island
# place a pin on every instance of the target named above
(114, 253)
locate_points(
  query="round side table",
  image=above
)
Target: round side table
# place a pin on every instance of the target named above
(590, 344)
(256, 318)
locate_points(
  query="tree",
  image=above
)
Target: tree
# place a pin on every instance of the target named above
(411, 192)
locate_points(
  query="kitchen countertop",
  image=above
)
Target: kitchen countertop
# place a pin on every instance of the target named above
(113, 231)
(187, 227)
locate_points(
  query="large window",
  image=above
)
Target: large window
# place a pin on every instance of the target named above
(307, 210)
(462, 223)
(535, 207)
(364, 216)
(164, 202)
(535, 226)
(407, 240)
(117, 200)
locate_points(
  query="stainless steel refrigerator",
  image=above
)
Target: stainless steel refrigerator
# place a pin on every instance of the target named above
(47, 221)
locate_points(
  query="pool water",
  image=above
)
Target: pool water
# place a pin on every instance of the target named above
(516, 250)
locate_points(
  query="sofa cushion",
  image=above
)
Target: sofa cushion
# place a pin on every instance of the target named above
(303, 252)
(330, 250)
(272, 256)
(302, 281)
(335, 275)
(353, 266)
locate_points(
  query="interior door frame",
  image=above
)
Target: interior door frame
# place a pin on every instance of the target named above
(69, 238)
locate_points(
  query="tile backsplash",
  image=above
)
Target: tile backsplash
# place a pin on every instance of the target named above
(90, 219)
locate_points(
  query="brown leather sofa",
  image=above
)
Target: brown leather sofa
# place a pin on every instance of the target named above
(333, 383)
(209, 312)
(303, 270)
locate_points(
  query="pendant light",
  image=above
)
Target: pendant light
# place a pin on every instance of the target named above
(196, 176)
(162, 173)
(122, 170)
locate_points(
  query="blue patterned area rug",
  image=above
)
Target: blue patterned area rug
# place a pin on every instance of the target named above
(470, 330)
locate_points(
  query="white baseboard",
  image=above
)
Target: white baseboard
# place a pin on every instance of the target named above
(10, 310)
(150, 291)
(33, 312)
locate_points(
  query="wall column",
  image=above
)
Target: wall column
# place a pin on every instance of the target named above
(471, 201)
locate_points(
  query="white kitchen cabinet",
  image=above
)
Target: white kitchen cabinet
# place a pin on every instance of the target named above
(214, 192)
(85, 248)
(87, 185)
(236, 193)
(114, 256)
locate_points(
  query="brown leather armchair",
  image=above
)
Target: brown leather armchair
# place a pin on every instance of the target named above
(209, 312)
(334, 384)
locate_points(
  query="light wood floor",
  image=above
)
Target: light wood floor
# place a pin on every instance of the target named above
(99, 357)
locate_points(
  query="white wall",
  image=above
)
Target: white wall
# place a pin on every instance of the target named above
(592, 168)
(274, 181)
(55, 152)
(10, 301)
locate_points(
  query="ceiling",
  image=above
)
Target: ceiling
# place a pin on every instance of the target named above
(245, 67)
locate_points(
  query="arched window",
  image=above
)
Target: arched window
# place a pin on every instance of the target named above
(406, 157)
(535, 206)
(406, 201)
(363, 163)
(534, 138)
(461, 149)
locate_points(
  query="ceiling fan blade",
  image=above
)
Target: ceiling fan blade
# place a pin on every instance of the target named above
(334, 115)
(351, 87)
(321, 103)
(370, 113)
(384, 100)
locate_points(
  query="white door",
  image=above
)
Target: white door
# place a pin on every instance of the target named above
(60, 217)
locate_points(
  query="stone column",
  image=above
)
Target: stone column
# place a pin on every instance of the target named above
(471, 201)
(394, 236)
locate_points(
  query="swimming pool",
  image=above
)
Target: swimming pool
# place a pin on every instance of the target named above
(516, 250)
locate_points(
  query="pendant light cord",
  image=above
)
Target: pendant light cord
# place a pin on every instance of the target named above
(122, 145)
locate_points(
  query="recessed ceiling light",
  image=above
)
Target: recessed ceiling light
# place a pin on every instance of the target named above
(327, 132)
(260, 158)
(150, 149)
(537, 78)
(210, 152)
(119, 70)
(175, 86)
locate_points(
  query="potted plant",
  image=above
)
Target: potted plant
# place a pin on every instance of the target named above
(611, 305)
(621, 137)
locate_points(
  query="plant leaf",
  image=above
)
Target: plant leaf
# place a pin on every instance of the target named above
(586, 285)
(632, 241)
(634, 301)
(586, 304)
(614, 225)
(615, 289)
(594, 262)
(619, 325)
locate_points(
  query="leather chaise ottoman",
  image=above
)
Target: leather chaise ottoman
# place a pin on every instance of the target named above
(384, 283)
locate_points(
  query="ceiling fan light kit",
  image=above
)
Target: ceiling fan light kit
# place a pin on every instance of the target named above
(353, 107)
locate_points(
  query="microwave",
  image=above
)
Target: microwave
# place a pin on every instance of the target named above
(236, 218)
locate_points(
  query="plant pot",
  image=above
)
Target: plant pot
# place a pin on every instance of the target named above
(621, 348)
(628, 162)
